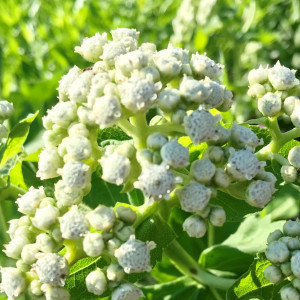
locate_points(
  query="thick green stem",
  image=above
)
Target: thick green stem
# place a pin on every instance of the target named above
(3, 225)
(142, 130)
(144, 212)
(186, 264)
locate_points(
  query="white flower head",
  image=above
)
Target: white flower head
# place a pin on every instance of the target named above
(49, 163)
(13, 282)
(244, 137)
(80, 88)
(92, 48)
(194, 226)
(102, 218)
(175, 155)
(259, 193)
(115, 167)
(106, 111)
(200, 126)
(67, 196)
(203, 170)
(281, 77)
(168, 99)
(62, 114)
(66, 82)
(45, 217)
(127, 291)
(111, 51)
(138, 94)
(204, 66)
(156, 182)
(96, 282)
(79, 147)
(93, 244)
(259, 75)
(76, 174)
(134, 255)
(194, 197)
(30, 201)
(243, 165)
(269, 105)
(73, 224)
(55, 292)
(52, 269)
(294, 157)
(193, 90)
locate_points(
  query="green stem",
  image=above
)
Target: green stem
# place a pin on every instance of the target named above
(127, 127)
(211, 235)
(168, 129)
(3, 225)
(142, 130)
(144, 212)
(290, 135)
(186, 264)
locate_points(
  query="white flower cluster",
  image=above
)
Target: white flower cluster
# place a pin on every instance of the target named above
(274, 89)
(124, 82)
(283, 252)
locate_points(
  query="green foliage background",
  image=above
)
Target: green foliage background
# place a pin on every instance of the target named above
(37, 39)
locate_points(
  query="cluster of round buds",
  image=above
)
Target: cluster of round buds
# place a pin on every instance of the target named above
(290, 173)
(274, 89)
(283, 251)
(6, 111)
(125, 81)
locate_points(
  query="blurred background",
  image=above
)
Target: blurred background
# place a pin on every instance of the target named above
(37, 40)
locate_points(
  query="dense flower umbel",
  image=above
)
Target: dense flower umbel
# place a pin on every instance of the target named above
(125, 81)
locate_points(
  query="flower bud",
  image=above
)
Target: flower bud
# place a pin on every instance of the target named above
(175, 155)
(96, 282)
(93, 244)
(217, 216)
(73, 224)
(194, 226)
(221, 178)
(289, 292)
(102, 218)
(288, 173)
(127, 291)
(193, 197)
(259, 75)
(269, 105)
(277, 252)
(282, 78)
(156, 140)
(294, 157)
(92, 48)
(13, 282)
(273, 274)
(292, 228)
(274, 236)
(114, 272)
(203, 170)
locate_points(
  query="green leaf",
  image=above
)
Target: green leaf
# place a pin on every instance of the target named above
(17, 138)
(253, 284)
(103, 192)
(76, 281)
(251, 236)
(225, 258)
(286, 202)
(235, 209)
(111, 135)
